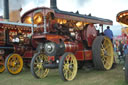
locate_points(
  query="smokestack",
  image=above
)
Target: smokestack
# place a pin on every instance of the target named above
(6, 9)
(53, 4)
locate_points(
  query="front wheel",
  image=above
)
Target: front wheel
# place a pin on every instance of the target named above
(14, 63)
(2, 67)
(37, 69)
(68, 67)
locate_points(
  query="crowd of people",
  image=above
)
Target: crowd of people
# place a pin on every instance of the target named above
(121, 48)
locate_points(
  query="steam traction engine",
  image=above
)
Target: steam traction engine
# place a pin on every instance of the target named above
(15, 46)
(64, 40)
(61, 40)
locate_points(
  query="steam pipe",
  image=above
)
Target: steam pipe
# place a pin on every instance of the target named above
(6, 9)
(45, 26)
(32, 28)
(6, 47)
(50, 66)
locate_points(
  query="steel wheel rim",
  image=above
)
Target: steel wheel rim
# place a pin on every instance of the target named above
(70, 67)
(38, 66)
(107, 53)
(15, 64)
(2, 67)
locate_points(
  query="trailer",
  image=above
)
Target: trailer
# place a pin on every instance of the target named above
(14, 42)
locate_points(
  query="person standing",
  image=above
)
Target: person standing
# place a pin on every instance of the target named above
(125, 47)
(109, 33)
(121, 51)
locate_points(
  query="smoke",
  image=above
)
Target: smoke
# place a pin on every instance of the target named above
(1, 4)
(17, 4)
(28, 4)
(1, 7)
(36, 2)
(81, 3)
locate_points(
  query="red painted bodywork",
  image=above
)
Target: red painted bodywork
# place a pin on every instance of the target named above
(76, 47)
(83, 55)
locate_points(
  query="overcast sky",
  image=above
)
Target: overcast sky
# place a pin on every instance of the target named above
(100, 8)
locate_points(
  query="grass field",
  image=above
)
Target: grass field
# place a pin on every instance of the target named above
(84, 77)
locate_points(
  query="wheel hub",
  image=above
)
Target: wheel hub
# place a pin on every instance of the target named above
(13, 64)
(39, 65)
(70, 67)
(67, 66)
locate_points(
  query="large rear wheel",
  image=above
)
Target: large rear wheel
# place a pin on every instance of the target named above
(2, 67)
(68, 67)
(14, 63)
(102, 53)
(37, 68)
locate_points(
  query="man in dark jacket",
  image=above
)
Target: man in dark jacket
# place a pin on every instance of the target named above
(109, 33)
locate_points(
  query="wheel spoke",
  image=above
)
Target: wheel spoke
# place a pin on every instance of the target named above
(35, 67)
(65, 67)
(66, 74)
(104, 41)
(71, 61)
(102, 47)
(70, 73)
(107, 64)
(102, 52)
(14, 58)
(107, 47)
(67, 58)
(103, 61)
(42, 72)
(10, 63)
(37, 60)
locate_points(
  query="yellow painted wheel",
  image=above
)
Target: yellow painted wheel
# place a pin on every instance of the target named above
(103, 53)
(107, 53)
(2, 67)
(14, 63)
(68, 67)
(37, 68)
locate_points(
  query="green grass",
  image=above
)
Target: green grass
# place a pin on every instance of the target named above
(93, 77)
(84, 77)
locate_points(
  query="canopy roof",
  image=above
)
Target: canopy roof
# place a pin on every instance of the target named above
(73, 16)
(122, 17)
(14, 25)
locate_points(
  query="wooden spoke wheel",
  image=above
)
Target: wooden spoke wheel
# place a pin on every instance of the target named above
(14, 63)
(68, 67)
(102, 53)
(37, 68)
(2, 67)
